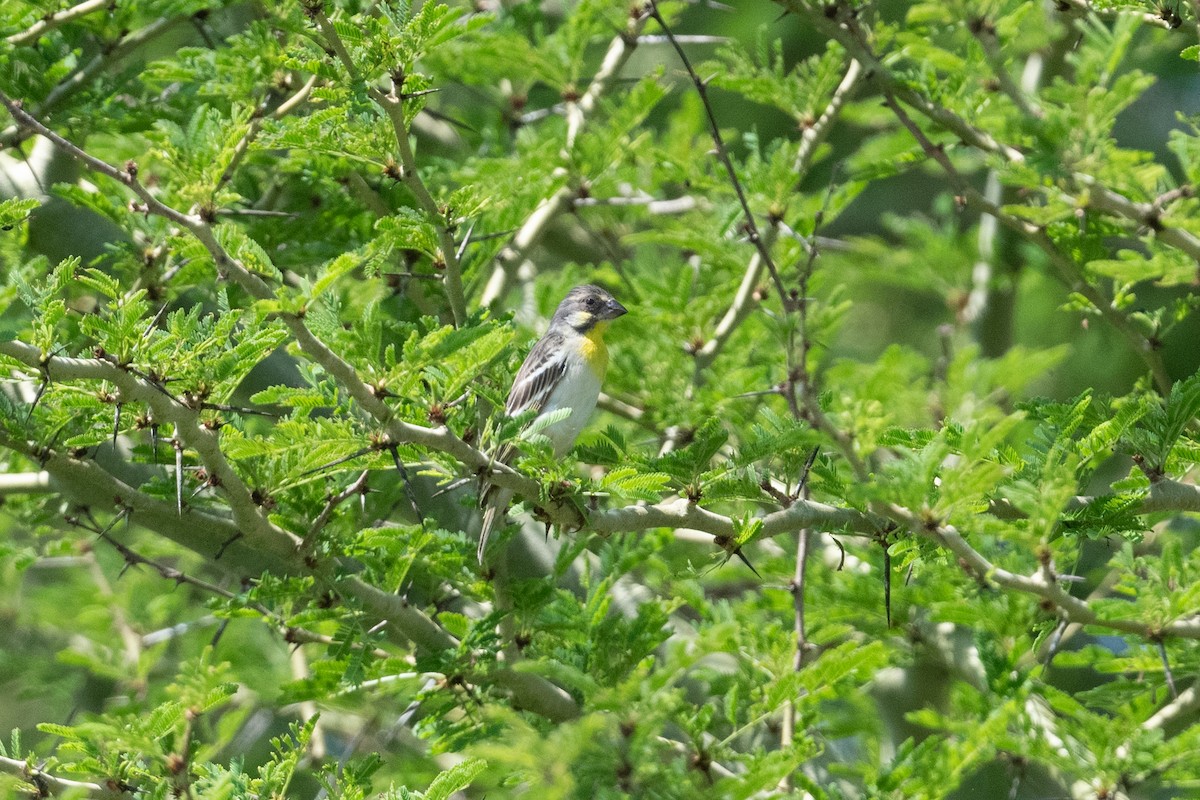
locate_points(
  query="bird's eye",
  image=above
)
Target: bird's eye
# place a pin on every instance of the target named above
(590, 302)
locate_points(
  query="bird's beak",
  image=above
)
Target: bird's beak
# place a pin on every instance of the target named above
(614, 309)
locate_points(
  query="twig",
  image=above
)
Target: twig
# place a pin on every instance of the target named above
(243, 146)
(131, 638)
(52, 21)
(357, 488)
(815, 133)
(619, 50)
(1065, 268)
(393, 105)
(737, 313)
(1162, 653)
(516, 253)
(675, 205)
(76, 81)
(47, 785)
(1148, 215)
(308, 707)
(25, 483)
(985, 33)
(723, 155)
(1069, 607)
(1188, 702)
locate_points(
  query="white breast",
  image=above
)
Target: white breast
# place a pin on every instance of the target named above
(578, 390)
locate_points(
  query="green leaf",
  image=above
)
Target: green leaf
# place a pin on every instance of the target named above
(455, 779)
(15, 211)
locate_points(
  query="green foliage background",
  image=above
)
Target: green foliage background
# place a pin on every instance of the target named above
(264, 295)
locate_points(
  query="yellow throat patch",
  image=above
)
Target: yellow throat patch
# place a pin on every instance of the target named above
(595, 354)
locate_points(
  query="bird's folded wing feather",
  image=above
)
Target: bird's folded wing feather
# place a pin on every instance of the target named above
(544, 367)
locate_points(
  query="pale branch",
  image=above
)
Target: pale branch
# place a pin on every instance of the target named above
(1065, 268)
(652, 205)
(815, 133)
(243, 146)
(51, 21)
(985, 34)
(516, 252)
(1168, 496)
(673, 513)
(1040, 583)
(186, 421)
(290, 632)
(723, 156)
(811, 137)
(392, 104)
(317, 350)
(78, 79)
(130, 638)
(681, 513)
(25, 483)
(619, 50)
(744, 301)
(127, 176)
(1188, 702)
(47, 785)
(1148, 215)
(307, 708)
(86, 483)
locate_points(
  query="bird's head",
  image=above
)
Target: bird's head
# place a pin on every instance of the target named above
(584, 307)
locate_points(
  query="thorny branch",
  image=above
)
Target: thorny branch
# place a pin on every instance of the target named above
(77, 80)
(392, 104)
(750, 223)
(407, 623)
(844, 27)
(516, 252)
(1065, 267)
(47, 785)
(52, 21)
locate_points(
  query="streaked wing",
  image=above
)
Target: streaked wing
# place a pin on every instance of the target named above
(543, 369)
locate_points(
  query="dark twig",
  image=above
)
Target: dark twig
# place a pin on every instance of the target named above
(358, 487)
(408, 490)
(1162, 653)
(178, 445)
(887, 580)
(1066, 270)
(803, 542)
(723, 154)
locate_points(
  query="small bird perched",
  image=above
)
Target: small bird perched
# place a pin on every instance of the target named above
(563, 370)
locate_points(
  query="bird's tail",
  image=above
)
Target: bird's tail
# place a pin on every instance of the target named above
(495, 503)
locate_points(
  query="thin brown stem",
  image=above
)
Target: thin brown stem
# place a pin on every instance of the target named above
(392, 104)
(47, 785)
(723, 156)
(77, 80)
(1065, 268)
(55, 20)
